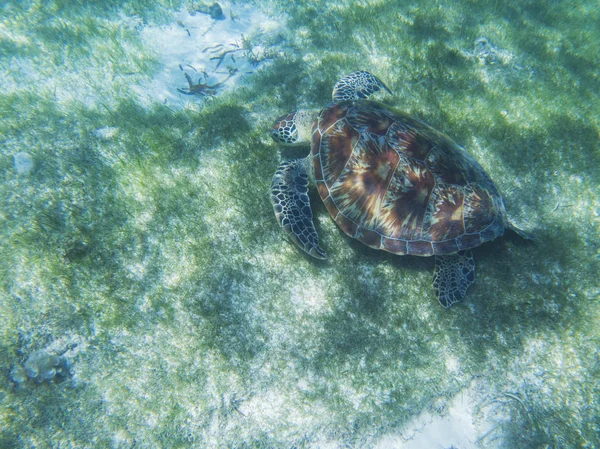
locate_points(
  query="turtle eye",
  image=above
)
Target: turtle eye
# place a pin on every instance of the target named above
(284, 129)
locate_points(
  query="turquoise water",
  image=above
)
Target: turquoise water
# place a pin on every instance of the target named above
(149, 298)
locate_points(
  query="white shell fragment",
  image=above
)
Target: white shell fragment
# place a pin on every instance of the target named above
(106, 133)
(23, 163)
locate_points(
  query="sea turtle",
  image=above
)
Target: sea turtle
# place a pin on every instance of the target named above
(390, 181)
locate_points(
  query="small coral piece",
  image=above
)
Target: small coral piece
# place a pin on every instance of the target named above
(40, 366)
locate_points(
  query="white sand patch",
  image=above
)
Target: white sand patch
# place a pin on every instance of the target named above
(469, 421)
(274, 408)
(309, 297)
(452, 363)
(209, 51)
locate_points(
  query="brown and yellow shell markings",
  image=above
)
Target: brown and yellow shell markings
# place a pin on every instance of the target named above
(396, 184)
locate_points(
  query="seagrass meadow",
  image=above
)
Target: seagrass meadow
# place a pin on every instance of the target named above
(149, 299)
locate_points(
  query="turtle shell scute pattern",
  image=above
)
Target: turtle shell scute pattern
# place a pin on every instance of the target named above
(396, 184)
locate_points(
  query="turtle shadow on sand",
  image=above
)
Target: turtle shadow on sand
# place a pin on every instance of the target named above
(385, 333)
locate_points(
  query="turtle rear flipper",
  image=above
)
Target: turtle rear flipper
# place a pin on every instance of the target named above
(292, 207)
(452, 276)
(520, 232)
(356, 86)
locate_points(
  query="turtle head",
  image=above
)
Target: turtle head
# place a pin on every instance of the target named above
(294, 128)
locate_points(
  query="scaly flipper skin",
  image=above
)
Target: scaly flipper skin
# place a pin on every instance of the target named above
(356, 86)
(520, 232)
(292, 207)
(452, 276)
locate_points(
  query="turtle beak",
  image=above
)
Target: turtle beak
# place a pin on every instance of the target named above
(284, 129)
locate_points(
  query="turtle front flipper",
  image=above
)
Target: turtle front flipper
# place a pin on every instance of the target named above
(289, 195)
(356, 86)
(452, 276)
